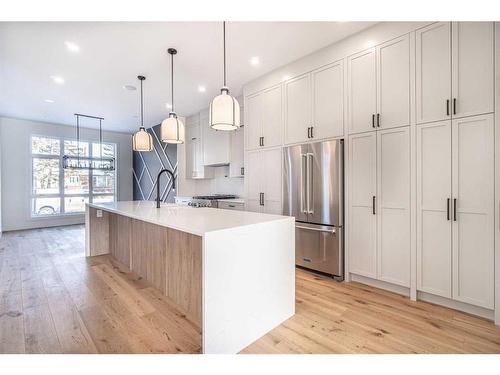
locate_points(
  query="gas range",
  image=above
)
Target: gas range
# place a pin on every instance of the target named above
(208, 200)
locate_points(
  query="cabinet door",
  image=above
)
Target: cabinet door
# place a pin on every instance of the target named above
(190, 158)
(362, 190)
(473, 219)
(237, 153)
(272, 122)
(433, 205)
(393, 205)
(253, 180)
(472, 66)
(271, 166)
(394, 83)
(362, 86)
(253, 124)
(328, 101)
(433, 68)
(297, 109)
(215, 143)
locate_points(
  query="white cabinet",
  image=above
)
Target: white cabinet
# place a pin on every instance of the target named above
(216, 143)
(263, 119)
(472, 68)
(362, 91)
(473, 218)
(379, 205)
(454, 70)
(314, 105)
(237, 151)
(455, 200)
(433, 208)
(362, 194)
(263, 181)
(297, 109)
(379, 87)
(194, 151)
(433, 72)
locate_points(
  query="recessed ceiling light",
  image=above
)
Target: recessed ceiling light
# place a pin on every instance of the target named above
(168, 105)
(130, 87)
(72, 47)
(202, 88)
(255, 60)
(49, 101)
(57, 79)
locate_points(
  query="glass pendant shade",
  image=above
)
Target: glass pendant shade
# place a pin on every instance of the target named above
(142, 141)
(224, 112)
(172, 129)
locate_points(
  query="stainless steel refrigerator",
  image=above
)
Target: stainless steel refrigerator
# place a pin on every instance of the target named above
(313, 192)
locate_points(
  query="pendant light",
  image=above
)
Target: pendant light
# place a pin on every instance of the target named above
(224, 113)
(142, 140)
(172, 129)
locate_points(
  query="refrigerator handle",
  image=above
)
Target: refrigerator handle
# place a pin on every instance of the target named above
(303, 189)
(309, 171)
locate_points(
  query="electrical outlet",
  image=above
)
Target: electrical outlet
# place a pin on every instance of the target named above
(99, 213)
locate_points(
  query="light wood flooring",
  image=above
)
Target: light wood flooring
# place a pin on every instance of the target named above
(54, 300)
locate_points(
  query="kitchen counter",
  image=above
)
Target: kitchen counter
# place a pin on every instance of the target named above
(197, 221)
(232, 273)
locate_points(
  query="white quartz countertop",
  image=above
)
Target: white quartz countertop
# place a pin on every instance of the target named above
(197, 221)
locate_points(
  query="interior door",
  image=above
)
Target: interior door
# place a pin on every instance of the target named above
(362, 89)
(362, 196)
(325, 173)
(253, 125)
(253, 181)
(272, 122)
(297, 109)
(433, 68)
(328, 101)
(393, 205)
(473, 219)
(472, 66)
(433, 208)
(393, 62)
(270, 167)
(294, 181)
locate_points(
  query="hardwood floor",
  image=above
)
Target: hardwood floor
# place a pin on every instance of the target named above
(54, 300)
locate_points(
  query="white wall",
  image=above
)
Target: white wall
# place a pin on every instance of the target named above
(15, 179)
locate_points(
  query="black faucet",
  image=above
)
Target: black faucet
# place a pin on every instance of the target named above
(158, 185)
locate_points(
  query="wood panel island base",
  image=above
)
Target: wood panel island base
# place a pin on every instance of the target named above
(232, 273)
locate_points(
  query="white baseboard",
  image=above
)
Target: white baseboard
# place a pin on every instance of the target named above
(381, 284)
(456, 305)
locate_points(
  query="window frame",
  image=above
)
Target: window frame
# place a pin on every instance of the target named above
(62, 195)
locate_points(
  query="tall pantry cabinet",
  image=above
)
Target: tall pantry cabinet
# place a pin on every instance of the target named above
(455, 161)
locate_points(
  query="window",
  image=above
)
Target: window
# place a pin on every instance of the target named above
(56, 190)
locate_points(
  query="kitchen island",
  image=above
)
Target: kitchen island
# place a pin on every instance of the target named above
(232, 273)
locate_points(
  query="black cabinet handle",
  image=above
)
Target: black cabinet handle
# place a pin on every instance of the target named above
(373, 120)
(262, 141)
(261, 199)
(242, 171)
(447, 107)
(312, 135)
(373, 205)
(308, 132)
(455, 209)
(448, 209)
(454, 106)
(378, 119)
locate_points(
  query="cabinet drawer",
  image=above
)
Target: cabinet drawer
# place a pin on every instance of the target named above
(231, 205)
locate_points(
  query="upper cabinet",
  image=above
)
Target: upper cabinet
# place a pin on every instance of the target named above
(216, 143)
(379, 87)
(454, 70)
(314, 105)
(263, 119)
(236, 165)
(194, 150)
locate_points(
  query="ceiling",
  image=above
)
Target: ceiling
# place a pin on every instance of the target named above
(112, 54)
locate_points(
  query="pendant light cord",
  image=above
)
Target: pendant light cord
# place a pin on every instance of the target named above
(172, 79)
(142, 108)
(224, 38)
